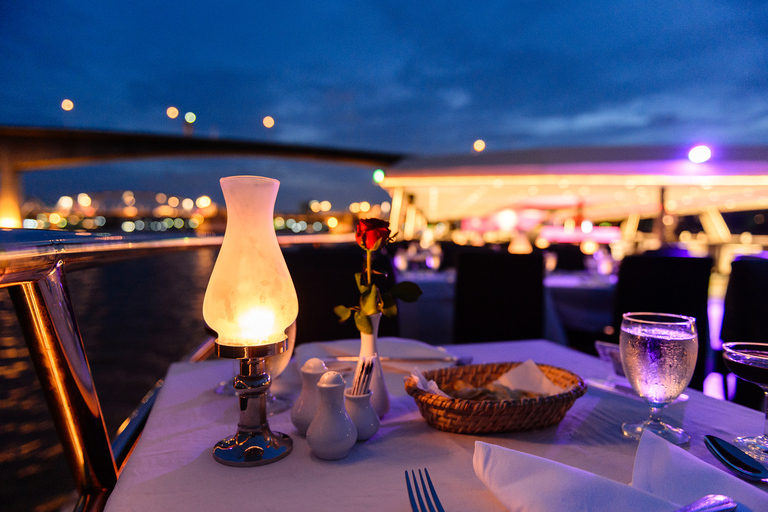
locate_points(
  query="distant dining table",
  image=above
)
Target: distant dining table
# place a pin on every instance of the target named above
(172, 468)
(580, 301)
(577, 301)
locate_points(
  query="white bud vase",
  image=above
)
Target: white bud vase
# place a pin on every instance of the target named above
(331, 435)
(362, 414)
(305, 407)
(368, 348)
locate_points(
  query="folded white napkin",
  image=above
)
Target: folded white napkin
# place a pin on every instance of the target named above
(669, 471)
(529, 377)
(387, 346)
(665, 477)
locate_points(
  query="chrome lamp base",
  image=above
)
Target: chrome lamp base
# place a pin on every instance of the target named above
(254, 444)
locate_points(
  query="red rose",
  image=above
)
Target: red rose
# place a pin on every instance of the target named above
(370, 233)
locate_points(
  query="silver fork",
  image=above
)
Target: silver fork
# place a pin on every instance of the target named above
(421, 507)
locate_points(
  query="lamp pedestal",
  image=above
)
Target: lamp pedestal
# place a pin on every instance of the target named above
(254, 444)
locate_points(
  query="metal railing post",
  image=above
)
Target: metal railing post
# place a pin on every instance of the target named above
(50, 329)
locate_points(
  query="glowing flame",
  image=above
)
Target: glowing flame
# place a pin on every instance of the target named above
(256, 324)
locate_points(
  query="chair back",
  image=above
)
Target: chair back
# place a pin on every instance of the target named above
(569, 257)
(745, 316)
(667, 284)
(499, 296)
(745, 309)
(324, 277)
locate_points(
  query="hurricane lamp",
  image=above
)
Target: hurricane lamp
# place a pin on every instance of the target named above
(250, 302)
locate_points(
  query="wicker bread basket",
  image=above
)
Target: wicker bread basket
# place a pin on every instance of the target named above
(485, 416)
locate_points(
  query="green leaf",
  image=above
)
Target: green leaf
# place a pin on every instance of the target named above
(362, 288)
(343, 312)
(390, 310)
(389, 305)
(406, 291)
(388, 300)
(363, 323)
(369, 301)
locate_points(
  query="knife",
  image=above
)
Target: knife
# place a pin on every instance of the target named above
(460, 361)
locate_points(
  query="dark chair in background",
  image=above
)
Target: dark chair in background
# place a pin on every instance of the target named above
(745, 317)
(667, 284)
(324, 277)
(499, 296)
(569, 257)
(452, 252)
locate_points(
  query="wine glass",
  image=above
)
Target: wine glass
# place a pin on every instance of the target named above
(275, 366)
(658, 353)
(749, 361)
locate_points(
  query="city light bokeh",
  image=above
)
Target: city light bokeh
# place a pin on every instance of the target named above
(699, 154)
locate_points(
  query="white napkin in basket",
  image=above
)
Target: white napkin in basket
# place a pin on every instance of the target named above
(529, 377)
(665, 477)
(428, 386)
(526, 376)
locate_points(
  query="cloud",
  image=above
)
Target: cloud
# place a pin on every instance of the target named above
(391, 75)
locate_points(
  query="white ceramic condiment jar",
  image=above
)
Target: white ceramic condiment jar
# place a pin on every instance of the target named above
(362, 414)
(305, 407)
(331, 435)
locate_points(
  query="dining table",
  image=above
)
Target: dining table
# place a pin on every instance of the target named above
(573, 300)
(172, 467)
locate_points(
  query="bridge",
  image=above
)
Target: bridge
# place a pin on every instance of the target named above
(26, 149)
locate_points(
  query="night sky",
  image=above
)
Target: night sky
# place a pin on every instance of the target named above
(425, 77)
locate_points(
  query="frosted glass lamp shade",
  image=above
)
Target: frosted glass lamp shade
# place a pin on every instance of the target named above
(250, 299)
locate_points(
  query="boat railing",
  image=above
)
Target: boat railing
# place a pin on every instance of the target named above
(33, 266)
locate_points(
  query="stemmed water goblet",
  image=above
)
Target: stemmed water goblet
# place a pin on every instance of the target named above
(276, 365)
(658, 353)
(749, 361)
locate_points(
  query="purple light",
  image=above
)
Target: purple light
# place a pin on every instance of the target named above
(699, 154)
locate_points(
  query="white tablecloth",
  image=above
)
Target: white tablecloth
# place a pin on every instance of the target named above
(172, 467)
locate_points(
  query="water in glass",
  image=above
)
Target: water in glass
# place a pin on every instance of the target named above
(658, 353)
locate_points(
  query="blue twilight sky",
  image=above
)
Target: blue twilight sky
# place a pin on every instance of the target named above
(420, 77)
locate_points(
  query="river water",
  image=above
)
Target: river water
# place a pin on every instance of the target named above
(135, 318)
